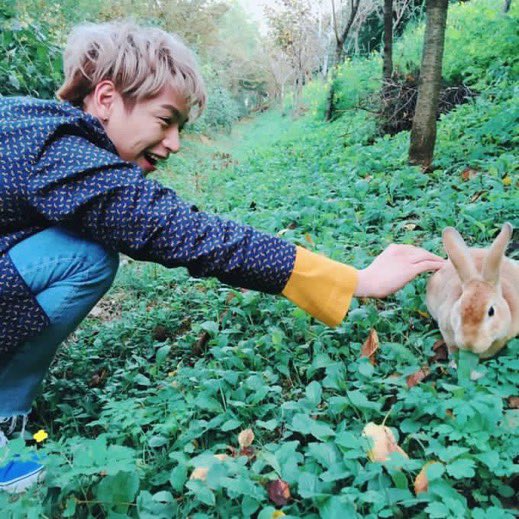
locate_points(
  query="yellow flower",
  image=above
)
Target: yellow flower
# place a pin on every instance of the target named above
(277, 514)
(40, 436)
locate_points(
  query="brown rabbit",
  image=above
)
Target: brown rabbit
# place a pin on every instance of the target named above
(475, 296)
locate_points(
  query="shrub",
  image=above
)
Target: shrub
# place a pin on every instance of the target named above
(30, 58)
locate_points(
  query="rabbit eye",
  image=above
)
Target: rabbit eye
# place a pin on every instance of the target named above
(491, 311)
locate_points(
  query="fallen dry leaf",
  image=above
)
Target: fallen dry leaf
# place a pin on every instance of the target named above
(200, 473)
(469, 173)
(416, 378)
(370, 346)
(245, 438)
(440, 351)
(308, 238)
(513, 402)
(279, 492)
(421, 483)
(384, 442)
(476, 196)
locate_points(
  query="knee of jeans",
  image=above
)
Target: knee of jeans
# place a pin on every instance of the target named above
(104, 265)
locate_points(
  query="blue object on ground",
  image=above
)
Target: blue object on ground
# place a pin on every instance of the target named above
(16, 476)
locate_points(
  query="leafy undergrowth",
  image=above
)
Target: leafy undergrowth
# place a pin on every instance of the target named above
(173, 368)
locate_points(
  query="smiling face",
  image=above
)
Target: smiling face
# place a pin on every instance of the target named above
(145, 133)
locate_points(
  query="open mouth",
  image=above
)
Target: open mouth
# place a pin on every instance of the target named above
(152, 158)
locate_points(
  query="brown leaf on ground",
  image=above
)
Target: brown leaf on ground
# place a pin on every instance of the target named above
(476, 196)
(201, 472)
(421, 483)
(440, 351)
(370, 346)
(384, 442)
(245, 438)
(98, 378)
(309, 239)
(249, 452)
(416, 378)
(279, 492)
(469, 173)
(161, 333)
(513, 402)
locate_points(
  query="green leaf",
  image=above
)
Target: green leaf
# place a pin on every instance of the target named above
(118, 491)
(303, 424)
(178, 477)
(141, 380)
(270, 425)
(461, 468)
(451, 452)
(337, 507)
(157, 441)
(359, 400)
(249, 506)
(308, 485)
(490, 459)
(437, 509)
(366, 368)
(399, 479)
(467, 362)
(162, 354)
(202, 492)
(157, 506)
(324, 453)
(266, 513)
(210, 327)
(70, 508)
(230, 425)
(314, 393)
(435, 471)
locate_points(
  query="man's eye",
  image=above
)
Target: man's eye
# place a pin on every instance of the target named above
(166, 120)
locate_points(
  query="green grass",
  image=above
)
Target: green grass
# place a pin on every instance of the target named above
(134, 403)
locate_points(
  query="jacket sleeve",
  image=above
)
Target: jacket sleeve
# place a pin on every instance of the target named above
(320, 286)
(93, 191)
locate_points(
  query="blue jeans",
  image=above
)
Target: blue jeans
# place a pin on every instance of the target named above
(68, 274)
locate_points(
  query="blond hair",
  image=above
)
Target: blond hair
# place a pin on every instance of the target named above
(139, 60)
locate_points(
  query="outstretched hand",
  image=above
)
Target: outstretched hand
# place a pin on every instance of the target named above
(396, 266)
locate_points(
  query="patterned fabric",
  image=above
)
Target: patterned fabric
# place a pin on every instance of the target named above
(57, 166)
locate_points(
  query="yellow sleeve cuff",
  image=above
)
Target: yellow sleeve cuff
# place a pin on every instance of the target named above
(320, 286)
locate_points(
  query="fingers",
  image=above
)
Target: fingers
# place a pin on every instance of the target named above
(428, 265)
(417, 254)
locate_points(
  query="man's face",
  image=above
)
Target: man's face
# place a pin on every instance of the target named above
(150, 131)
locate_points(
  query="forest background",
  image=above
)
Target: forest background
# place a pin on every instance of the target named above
(168, 370)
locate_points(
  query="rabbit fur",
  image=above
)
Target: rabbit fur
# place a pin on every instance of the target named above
(475, 296)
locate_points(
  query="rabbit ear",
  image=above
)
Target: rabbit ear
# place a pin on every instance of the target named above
(495, 254)
(459, 254)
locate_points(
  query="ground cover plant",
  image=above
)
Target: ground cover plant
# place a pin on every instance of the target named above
(170, 370)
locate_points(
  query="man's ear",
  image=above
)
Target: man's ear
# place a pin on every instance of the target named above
(103, 98)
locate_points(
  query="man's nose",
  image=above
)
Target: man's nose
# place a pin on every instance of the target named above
(172, 139)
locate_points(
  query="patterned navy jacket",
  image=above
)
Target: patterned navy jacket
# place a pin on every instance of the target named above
(58, 167)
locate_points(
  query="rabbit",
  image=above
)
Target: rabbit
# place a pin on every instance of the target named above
(475, 296)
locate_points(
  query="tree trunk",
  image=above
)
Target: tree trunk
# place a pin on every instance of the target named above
(506, 6)
(340, 39)
(423, 133)
(330, 99)
(388, 40)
